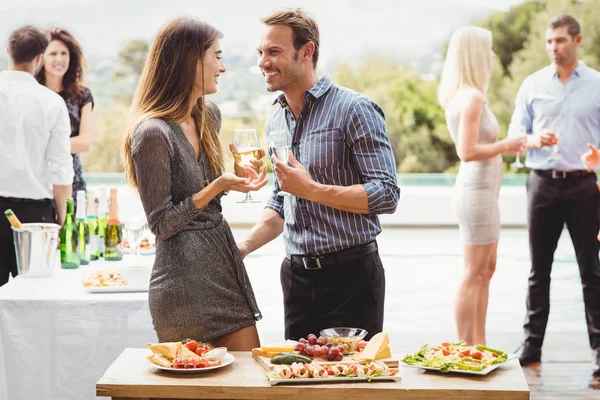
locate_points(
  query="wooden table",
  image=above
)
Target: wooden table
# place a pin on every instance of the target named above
(131, 377)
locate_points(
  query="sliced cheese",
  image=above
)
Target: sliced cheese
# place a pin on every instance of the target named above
(385, 353)
(259, 351)
(376, 345)
(286, 347)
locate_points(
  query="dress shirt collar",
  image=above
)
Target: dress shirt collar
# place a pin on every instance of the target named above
(12, 75)
(318, 90)
(578, 71)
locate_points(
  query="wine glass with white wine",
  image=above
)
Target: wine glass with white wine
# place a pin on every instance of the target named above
(519, 130)
(246, 145)
(279, 144)
(134, 231)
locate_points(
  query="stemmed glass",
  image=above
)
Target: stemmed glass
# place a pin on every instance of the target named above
(553, 125)
(279, 144)
(519, 130)
(134, 232)
(246, 147)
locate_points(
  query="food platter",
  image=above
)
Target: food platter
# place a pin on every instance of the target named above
(485, 371)
(229, 358)
(301, 381)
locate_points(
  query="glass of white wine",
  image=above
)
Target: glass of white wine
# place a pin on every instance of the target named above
(279, 144)
(247, 147)
(134, 232)
(519, 130)
(553, 125)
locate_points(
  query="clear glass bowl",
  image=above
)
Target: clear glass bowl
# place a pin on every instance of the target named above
(347, 337)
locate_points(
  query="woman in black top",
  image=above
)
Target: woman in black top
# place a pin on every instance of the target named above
(62, 71)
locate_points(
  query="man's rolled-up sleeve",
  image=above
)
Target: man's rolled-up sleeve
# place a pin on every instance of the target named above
(373, 155)
(58, 152)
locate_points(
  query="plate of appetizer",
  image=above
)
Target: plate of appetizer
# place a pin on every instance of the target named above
(457, 357)
(188, 357)
(308, 373)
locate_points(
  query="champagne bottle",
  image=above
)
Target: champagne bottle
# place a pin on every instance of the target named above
(68, 239)
(83, 231)
(113, 235)
(92, 221)
(102, 218)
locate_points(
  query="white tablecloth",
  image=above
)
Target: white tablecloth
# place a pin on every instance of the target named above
(56, 340)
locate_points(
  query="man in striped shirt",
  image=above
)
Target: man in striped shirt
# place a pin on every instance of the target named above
(340, 175)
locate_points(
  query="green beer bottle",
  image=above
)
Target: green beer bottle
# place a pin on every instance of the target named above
(92, 221)
(102, 218)
(83, 232)
(68, 240)
(113, 235)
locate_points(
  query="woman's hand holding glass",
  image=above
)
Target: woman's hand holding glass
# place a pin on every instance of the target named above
(517, 143)
(245, 148)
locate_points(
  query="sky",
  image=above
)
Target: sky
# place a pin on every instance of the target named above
(348, 27)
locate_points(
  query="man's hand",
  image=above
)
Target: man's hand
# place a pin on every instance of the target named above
(544, 139)
(256, 163)
(591, 159)
(294, 178)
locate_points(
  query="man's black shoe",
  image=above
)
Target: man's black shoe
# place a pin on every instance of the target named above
(596, 372)
(530, 354)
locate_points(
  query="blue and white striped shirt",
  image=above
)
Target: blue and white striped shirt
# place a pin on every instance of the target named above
(543, 96)
(340, 138)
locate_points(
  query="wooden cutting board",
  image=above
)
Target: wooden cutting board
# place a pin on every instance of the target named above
(265, 362)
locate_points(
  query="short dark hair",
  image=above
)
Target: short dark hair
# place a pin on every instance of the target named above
(304, 27)
(565, 20)
(26, 43)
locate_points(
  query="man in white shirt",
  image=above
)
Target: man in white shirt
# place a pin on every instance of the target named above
(35, 152)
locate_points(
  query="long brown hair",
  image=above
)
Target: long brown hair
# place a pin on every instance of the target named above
(73, 78)
(165, 88)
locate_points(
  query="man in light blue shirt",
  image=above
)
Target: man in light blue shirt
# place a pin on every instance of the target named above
(559, 107)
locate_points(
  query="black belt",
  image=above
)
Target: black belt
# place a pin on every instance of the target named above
(554, 174)
(327, 260)
(17, 200)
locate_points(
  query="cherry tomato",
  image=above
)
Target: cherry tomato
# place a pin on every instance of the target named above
(446, 344)
(477, 355)
(446, 352)
(192, 345)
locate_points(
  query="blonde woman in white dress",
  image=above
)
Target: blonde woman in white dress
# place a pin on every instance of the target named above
(475, 131)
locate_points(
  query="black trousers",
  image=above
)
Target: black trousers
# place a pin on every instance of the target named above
(26, 210)
(552, 203)
(349, 295)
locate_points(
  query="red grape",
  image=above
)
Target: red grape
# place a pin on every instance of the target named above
(341, 349)
(322, 341)
(331, 357)
(309, 351)
(328, 344)
(312, 340)
(311, 335)
(339, 357)
(335, 351)
(300, 346)
(302, 340)
(303, 352)
(317, 349)
(324, 351)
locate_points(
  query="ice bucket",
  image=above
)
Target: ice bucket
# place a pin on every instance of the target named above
(35, 246)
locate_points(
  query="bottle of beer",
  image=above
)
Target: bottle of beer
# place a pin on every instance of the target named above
(92, 221)
(68, 239)
(83, 232)
(113, 235)
(102, 218)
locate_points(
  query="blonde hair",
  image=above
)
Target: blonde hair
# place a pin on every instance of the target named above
(468, 63)
(165, 88)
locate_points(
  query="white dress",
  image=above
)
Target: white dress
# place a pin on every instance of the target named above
(475, 195)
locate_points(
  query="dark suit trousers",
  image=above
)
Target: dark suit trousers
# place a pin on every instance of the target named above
(552, 203)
